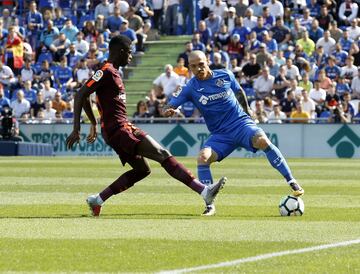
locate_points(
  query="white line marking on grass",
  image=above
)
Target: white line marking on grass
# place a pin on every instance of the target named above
(261, 257)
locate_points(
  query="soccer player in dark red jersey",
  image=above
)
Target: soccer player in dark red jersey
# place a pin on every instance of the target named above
(129, 142)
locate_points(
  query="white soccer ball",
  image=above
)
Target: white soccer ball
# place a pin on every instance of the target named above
(291, 206)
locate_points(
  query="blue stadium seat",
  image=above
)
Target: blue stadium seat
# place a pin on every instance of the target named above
(324, 115)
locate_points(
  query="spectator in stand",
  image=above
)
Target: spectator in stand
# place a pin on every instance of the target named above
(315, 32)
(251, 70)
(158, 18)
(213, 22)
(305, 82)
(235, 48)
(319, 57)
(220, 8)
(327, 43)
(167, 81)
(276, 8)
(103, 8)
(299, 115)
(324, 18)
(27, 73)
(73, 56)
(185, 54)
(58, 104)
(123, 5)
(144, 10)
(335, 32)
(37, 105)
(90, 32)
(307, 44)
(325, 82)
(295, 88)
(355, 85)
(340, 55)
(241, 8)
(263, 55)
(263, 85)
(100, 25)
(308, 104)
(271, 44)
(102, 45)
(70, 30)
(223, 36)
(48, 91)
(259, 28)
(34, 23)
(259, 115)
(252, 44)
(7, 78)
(182, 71)
(345, 41)
(354, 29)
(14, 50)
(59, 20)
(256, 8)
(249, 19)
(342, 87)
(318, 95)
(93, 56)
(230, 19)
(276, 116)
(217, 63)
(307, 19)
(48, 36)
(137, 24)
(197, 44)
(29, 92)
(279, 58)
(171, 18)
(81, 45)
(63, 75)
(281, 34)
(273, 67)
(225, 58)
(338, 115)
(4, 101)
(45, 73)
(6, 18)
(291, 71)
(314, 7)
(332, 70)
(288, 18)
(240, 29)
(142, 112)
(205, 33)
(130, 33)
(20, 105)
(269, 20)
(60, 46)
(288, 104)
(348, 11)
(82, 74)
(347, 106)
(114, 22)
(49, 112)
(349, 71)
(234, 67)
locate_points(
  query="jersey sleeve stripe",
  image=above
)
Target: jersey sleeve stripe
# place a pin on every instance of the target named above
(90, 83)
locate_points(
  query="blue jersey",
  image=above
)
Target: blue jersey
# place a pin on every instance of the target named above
(215, 99)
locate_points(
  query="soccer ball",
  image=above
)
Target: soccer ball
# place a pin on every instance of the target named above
(291, 206)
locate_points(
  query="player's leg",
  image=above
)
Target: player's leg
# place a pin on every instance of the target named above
(205, 158)
(140, 170)
(151, 149)
(277, 160)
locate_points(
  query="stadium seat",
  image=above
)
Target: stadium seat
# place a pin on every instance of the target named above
(324, 115)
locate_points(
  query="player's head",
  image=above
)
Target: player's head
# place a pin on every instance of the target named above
(120, 50)
(199, 65)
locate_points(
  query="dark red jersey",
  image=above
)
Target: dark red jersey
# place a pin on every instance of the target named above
(110, 96)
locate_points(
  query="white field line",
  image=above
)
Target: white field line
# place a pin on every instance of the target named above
(261, 257)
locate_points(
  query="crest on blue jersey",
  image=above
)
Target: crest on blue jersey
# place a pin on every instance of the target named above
(219, 83)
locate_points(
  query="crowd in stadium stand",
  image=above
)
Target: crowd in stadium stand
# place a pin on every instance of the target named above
(295, 59)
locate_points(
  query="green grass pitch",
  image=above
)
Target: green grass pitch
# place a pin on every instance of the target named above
(45, 224)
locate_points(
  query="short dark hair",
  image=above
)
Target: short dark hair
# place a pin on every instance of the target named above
(119, 42)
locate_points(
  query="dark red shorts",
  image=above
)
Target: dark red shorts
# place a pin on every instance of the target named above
(124, 140)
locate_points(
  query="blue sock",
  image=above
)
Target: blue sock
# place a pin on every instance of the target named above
(204, 174)
(278, 161)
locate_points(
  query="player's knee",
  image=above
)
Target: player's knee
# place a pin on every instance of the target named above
(261, 142)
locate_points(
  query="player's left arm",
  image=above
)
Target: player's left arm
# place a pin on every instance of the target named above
(179, 97)
(240, 94)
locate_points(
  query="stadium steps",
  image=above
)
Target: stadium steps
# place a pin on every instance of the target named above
(143, 70)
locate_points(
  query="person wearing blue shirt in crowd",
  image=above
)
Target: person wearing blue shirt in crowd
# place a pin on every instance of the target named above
(315, 32)
(240, 29)
(70, 30)
(281, 34)
(342, 87)
(73, 56)
(49, 34)
(29, 93)
(205, 33)
(271, 44)
(34, 23)
(216, 94)
(113, 23)
(259, 29)
(63, 74)
(332, 70)
(46, 4)
(269, 20)
(345, 41)
(4, 101)
(66, 6)
(59, 20)
(340, 55)
(130, 33)
(314, 8)
(197, 44)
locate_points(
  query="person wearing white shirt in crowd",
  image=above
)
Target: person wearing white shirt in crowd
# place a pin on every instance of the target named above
(103, 8)
(220, 8)
(27, 72)
(167, 81)
(48, 91)
(291, 71)
(355, 86)
(49, 112)
(83, 73)
(256, 7)
(348, 11)
(20, 105)
(276, 116)
(6, 75)
(317, 94)
(81, 45)
(263, 85)
(124, 7)
(350, 70)
(354, 30)
(250, 20)
(276, 8)
(308, 104)
(327, 42)
(295, 88)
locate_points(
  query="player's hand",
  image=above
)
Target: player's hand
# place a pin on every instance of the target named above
(73, 138)
(92, 135)
(169, 112)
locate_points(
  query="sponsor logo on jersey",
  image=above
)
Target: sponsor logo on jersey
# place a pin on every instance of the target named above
(177, 92)
(219, 82)
(98, 75)
(204, 99)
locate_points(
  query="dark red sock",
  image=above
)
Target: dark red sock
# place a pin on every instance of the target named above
(179, 172)
(125, 181)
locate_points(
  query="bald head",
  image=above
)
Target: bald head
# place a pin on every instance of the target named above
(197, 54)
(199, 65)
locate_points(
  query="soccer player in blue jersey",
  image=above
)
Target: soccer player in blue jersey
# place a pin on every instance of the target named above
(216, 94)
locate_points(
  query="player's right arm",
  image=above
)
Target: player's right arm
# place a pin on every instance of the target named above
(82, 100)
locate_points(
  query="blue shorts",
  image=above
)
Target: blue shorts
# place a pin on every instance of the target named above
(241, 136)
